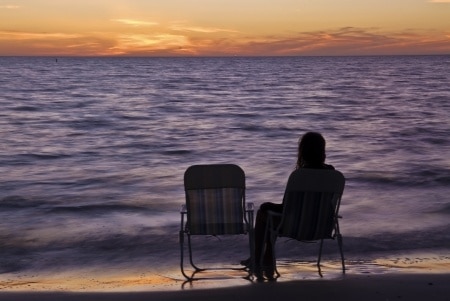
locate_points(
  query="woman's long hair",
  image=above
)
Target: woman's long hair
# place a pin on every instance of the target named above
(311, 150)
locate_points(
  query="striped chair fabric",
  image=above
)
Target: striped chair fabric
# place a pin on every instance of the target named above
(308, 215)
(215, 211)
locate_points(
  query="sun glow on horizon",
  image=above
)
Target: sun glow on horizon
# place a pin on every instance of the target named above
(137, 28)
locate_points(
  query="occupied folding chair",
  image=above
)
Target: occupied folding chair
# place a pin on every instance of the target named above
(310, 210)
(215, 205)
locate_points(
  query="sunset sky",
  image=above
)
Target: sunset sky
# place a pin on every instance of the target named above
(224, 27)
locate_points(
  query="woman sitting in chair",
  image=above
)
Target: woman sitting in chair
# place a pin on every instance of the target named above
(311, 154)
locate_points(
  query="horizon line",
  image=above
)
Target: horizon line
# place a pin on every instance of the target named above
(221, 56)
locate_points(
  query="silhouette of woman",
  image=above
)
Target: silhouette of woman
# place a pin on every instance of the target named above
(311, 154)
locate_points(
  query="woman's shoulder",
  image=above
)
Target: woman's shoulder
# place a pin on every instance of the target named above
(300, 170)
(321, 166)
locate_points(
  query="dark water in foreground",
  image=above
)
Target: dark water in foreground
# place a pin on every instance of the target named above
(93, 150)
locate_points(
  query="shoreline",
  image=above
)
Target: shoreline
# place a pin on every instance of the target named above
(351, 287)
(411, 276)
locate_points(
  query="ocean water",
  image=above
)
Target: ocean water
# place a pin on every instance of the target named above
(93, 151)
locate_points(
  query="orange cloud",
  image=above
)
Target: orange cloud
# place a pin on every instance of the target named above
(13, 35)
(349, 41)
(30, 43)
(185, 28)
(135, 23)
(146, 44)
(10, 6)
(204, 41)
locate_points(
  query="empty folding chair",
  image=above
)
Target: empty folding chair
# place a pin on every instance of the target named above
(215, 205)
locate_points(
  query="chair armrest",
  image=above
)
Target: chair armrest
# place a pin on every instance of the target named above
(183, 209)
(249, 207)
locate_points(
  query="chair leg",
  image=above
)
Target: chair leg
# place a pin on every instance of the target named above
(181, 239)
(197, 269)
(319, 258)
(251, 241)
(182, 256)
(190, 255)
(251, 238)
(273, 240)
(340, 244)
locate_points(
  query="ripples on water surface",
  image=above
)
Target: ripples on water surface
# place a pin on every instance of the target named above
(93, 150)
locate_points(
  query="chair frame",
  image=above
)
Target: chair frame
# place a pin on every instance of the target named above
(213, 176)
(300, 181)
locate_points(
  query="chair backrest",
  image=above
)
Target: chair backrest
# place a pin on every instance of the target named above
(311, 204)
(215, 199)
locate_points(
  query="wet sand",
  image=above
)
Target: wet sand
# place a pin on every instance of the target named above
(372, 287)
(405, 278)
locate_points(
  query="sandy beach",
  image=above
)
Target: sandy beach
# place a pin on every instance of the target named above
(370, 287)
(406, 278)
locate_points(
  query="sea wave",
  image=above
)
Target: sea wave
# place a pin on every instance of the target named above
(93, 150)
